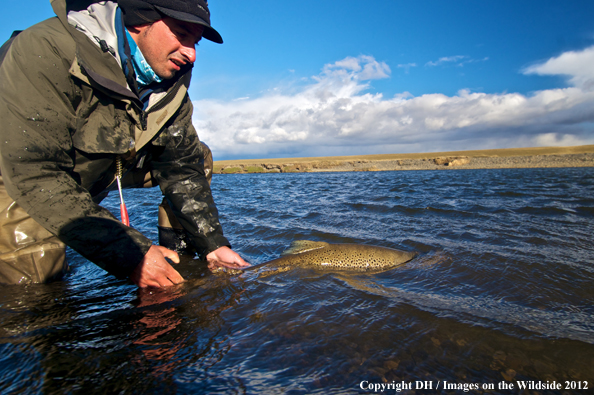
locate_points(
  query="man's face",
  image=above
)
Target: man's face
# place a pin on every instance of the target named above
(167, 44)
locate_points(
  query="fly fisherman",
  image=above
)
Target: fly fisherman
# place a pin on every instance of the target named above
(90, 100)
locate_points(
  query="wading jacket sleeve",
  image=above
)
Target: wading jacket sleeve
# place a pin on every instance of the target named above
(65, 115)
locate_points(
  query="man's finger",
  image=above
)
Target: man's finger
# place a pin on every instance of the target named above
(241, 262)
(167, 253)
(174, 277)
(155, 270)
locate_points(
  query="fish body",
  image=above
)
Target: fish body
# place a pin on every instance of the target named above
(351, 257)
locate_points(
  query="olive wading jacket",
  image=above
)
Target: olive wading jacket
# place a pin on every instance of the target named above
(66, 114)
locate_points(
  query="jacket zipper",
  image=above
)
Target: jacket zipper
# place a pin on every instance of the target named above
(143, 120)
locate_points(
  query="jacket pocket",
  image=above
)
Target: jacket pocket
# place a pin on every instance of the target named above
(103, 126)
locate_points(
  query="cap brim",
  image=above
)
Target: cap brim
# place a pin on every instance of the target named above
(209, 33)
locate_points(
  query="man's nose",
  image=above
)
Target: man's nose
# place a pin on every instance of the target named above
(189, 52)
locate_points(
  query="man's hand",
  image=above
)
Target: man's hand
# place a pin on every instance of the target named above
(155, 271)
(226, 257)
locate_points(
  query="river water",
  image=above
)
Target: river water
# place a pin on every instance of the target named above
(501, 294)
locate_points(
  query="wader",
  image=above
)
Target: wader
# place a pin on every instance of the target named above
(31, 254)
(28, 252)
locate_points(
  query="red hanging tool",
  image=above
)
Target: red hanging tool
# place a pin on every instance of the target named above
(123, 210)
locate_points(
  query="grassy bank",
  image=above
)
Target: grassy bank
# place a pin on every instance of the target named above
(576, 156)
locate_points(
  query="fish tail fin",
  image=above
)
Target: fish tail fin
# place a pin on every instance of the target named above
(301, 246)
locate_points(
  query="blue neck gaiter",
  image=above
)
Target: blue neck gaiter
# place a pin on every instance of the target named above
(144, 73)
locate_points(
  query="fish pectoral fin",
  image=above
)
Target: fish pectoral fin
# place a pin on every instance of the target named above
(301, 246)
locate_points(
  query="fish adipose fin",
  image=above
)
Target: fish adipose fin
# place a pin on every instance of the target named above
(301, 246)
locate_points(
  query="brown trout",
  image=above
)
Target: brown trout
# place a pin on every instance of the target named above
(348, 257)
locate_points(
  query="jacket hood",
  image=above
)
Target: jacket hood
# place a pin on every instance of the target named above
(98, 61)
(97, 22)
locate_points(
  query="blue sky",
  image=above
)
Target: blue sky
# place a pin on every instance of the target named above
(330, 77)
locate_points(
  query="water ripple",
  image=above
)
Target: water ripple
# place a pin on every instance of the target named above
(502, 287)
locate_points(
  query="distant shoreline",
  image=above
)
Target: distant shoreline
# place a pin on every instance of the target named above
(536, 157)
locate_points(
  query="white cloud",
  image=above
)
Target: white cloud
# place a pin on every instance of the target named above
(446, 59)
(577, 65)
(407, 66)
(556, 139)
(361, 68)
(459, 60)
(333, 115)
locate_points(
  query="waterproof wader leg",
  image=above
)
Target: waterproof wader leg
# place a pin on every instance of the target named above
(171, 234)
(28, 252)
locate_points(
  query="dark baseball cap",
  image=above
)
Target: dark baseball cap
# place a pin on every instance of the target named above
(192, 11)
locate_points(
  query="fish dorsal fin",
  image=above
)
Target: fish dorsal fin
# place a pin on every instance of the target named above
(301, 246)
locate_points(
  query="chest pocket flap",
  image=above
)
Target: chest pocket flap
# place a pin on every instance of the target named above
(102, 125)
